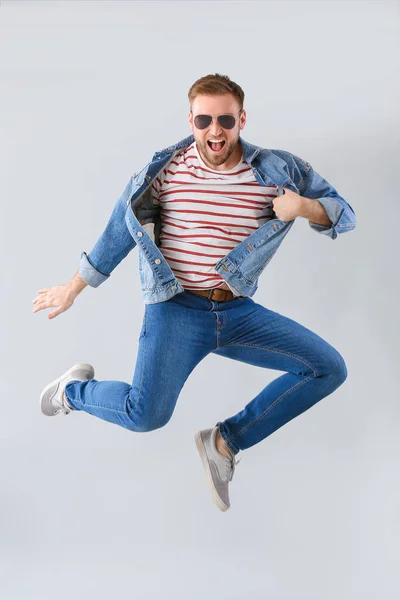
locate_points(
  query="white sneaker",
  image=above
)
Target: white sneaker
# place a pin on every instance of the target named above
(51, 398)
(219, 469)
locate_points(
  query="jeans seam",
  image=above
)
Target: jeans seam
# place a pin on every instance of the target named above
(278, 352)
(228, 439)
(271, 406)
(112, 409)
(142, 375)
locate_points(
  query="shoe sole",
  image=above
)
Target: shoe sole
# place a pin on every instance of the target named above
(203, 455)
(57, 381)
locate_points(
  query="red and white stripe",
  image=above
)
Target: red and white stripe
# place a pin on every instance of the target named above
(205, 214)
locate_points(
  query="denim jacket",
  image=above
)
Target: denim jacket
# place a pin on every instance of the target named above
(135, 221)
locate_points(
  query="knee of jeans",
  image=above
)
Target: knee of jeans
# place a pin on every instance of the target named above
(337, 369)
(152, 422)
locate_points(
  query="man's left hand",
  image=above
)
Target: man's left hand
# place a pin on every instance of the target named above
(289, 206)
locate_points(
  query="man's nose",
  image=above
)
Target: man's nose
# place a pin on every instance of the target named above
(215, 127)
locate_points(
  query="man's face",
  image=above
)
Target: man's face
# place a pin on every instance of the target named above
(231, 152)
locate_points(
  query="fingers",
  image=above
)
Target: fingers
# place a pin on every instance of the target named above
(42, 294)
(52, 297)
(44, 300)
(40, 303)
(43, 304)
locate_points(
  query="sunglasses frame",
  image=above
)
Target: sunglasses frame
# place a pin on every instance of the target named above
(217, 118)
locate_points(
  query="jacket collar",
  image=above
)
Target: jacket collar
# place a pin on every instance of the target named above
(250, 151)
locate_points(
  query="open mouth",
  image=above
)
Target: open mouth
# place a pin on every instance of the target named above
(216, 147)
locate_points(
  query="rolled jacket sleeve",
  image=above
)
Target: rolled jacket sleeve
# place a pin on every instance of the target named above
(89, 273)
(339, 211)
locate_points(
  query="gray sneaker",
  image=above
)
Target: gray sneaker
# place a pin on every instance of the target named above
(51, 398)
(219, 469)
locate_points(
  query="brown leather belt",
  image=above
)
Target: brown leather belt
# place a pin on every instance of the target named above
(217, 294)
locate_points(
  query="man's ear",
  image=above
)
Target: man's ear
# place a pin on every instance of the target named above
(242, 117)
(190, 120)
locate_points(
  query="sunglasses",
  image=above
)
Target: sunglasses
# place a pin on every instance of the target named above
(226, 121)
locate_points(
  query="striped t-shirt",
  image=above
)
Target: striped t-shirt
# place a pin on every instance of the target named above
(205, 214)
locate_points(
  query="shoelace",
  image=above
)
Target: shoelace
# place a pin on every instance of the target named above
(230, 467)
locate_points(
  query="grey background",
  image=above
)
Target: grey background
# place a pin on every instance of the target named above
(88, 92)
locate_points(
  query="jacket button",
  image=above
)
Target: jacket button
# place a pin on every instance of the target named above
(157, 261)
(139, 234)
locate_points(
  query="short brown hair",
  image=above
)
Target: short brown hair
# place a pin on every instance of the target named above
(216, 84)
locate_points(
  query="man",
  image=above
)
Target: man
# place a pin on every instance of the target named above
(207, 215)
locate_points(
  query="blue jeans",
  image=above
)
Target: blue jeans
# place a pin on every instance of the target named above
(178, 333)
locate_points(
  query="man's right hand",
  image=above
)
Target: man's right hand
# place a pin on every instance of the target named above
(62, 296)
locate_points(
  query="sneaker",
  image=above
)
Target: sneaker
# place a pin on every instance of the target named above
(219, 469)
(51, 398)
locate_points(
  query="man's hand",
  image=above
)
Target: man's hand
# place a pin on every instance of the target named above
(291, 205)
(288, 206)
(61, 296)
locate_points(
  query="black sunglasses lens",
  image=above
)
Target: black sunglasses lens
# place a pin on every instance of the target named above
(202, 121)
(227, 121)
